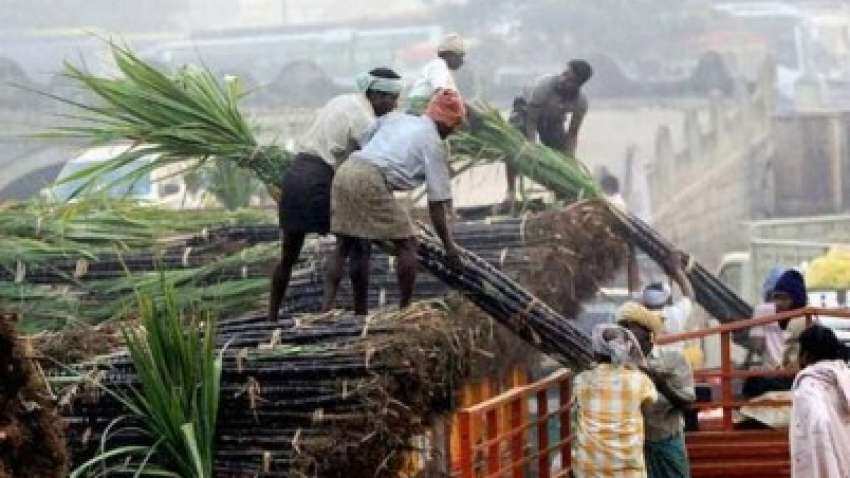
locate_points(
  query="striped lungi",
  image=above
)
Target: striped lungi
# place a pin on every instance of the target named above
(362, 204)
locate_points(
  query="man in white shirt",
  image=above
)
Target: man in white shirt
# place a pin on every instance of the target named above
(437, 74)
(305, 200)
(657, 297)
(403, 153)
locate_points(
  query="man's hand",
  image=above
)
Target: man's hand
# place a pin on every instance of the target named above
(676, 261)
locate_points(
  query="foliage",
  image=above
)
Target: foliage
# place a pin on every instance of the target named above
(175, 408)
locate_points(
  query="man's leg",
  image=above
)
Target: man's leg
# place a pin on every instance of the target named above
(342, 251)
(290, 250)
(361, 252)
(510, 174)
(406, 269)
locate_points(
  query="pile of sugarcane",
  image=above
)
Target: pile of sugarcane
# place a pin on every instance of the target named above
(231, 283)
(314, 395)
(74, 262)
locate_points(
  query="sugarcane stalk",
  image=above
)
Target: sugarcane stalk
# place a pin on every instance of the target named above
(567, 177)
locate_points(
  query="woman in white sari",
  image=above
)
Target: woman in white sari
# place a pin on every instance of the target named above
(820, 420)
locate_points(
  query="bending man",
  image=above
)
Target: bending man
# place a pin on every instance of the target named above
(544, 113)
(404, 152)
(306, 187)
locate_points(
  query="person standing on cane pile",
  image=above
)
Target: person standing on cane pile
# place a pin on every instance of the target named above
(306, 186)
(437, 74)
(403, 153)
(666, 456)
(544, 113)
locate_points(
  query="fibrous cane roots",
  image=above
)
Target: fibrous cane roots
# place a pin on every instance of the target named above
(32, 443)
(572, 252)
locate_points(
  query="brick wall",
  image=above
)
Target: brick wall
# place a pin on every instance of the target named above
(703, 193)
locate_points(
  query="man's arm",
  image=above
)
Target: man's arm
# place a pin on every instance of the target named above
(633, 272)
(576, 120)
(677, 385)
(439, 211)
(531, 122)
(439, 186)
(677, 261)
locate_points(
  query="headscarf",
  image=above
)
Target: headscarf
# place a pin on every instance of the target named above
(617, 343)
(792, 283)
(453, 43)
(366, 81)
(771, 280)
(446, 106)
(656, 296)
(638, 314)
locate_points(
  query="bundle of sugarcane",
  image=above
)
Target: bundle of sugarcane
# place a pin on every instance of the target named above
(227, 284)
(186, 116)
(322, 395)
(34, 233)
(492, 138)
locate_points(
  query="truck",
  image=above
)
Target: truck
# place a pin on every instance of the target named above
(791, 243)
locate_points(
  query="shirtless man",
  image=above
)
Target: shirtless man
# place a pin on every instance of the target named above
(544, 112)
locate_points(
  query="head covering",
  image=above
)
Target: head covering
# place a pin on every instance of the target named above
(833, 376)
(771, 280)
(638, 314)
(656, 295)
(792, 283)
(446, 106)
(367, 81)
(452, 42)
(617, 343)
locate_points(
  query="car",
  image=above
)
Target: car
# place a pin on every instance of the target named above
(165, 186)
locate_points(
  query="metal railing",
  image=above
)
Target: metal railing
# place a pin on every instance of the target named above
(505, 450)
(728, 373)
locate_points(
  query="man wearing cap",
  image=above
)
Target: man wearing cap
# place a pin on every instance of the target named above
(543, 113)
(404, 152)
(785, 291)
(666, 456)
(437, 74)
(304, 205)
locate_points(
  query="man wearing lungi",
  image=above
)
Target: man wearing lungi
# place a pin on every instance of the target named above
(404, 152)
(304, 206)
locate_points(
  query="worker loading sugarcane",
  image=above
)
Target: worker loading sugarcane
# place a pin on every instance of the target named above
(437, 74)
(543, 113)
(664, 446)
(404, 152)
(305, 201)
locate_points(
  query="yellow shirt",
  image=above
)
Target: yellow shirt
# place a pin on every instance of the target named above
(608, 422)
